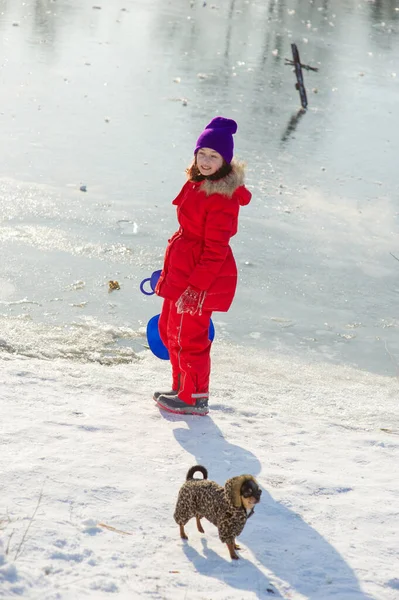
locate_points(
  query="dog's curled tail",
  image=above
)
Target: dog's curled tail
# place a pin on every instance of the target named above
(200, 469)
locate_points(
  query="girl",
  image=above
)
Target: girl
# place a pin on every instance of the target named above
(199, 273)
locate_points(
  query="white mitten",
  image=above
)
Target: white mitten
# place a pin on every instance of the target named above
(190, 301)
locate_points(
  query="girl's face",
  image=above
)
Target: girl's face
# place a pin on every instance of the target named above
(209, 161)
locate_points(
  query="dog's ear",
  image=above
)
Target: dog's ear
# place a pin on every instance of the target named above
(233, 486)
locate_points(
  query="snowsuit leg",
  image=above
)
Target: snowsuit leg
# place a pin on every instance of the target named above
(189, 347)
(165, 334)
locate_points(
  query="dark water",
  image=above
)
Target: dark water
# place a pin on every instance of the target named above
(114, 98)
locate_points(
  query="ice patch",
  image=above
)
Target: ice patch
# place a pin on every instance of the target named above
(6, 289)
(128, 227)
(19, 302)
(51, 239)
(84, 341)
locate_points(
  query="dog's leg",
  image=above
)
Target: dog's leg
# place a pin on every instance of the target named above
(199, 526)
(236, 546)
(233, 553)
(183, 534)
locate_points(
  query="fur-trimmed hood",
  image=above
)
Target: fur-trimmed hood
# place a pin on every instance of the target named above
(232, 488)
(233, 182)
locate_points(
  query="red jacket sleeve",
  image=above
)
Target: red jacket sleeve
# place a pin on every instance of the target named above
(219, 226)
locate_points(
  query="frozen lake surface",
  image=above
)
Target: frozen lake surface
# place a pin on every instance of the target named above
(114, 97)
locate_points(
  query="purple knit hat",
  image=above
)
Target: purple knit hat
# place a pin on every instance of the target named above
(218, 135)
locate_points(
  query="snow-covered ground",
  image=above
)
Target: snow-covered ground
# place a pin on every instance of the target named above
(112, 96)
(90, 471)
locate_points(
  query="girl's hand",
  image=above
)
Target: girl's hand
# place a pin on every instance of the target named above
(190, 301)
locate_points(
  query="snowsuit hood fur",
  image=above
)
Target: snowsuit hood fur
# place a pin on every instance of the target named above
(233, 487)
(229, 184)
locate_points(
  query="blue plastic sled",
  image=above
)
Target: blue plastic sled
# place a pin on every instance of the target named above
(155, 343)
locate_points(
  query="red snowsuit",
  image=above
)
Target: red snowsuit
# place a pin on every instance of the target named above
(199, 255)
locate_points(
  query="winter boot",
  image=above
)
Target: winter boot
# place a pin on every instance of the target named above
(157, 394)
(173, 404)
(172, 392)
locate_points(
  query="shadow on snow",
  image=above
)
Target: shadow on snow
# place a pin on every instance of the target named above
(279, 538)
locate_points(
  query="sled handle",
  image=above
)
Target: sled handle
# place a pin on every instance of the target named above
(153, 282)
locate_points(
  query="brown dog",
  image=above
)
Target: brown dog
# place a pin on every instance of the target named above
(228, 507)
